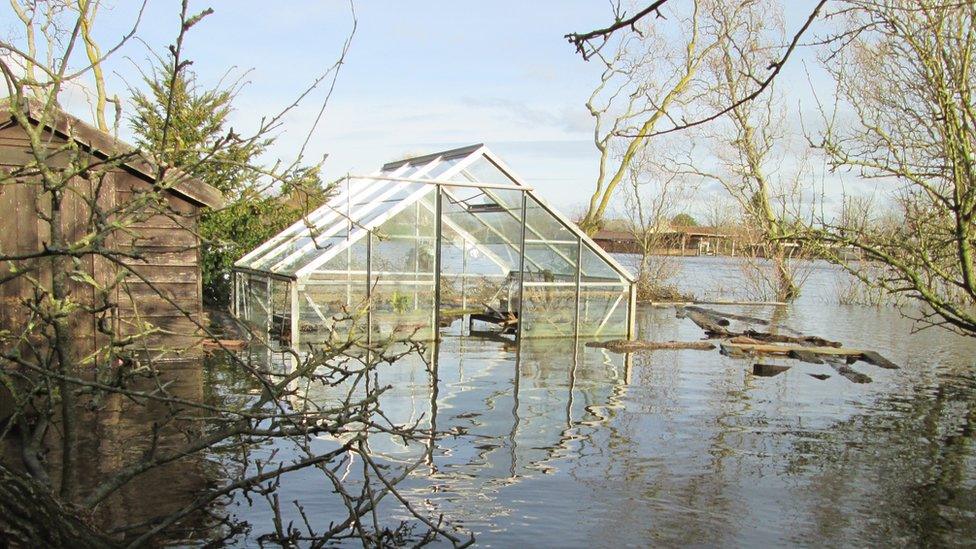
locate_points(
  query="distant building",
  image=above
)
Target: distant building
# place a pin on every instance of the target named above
(675, 241)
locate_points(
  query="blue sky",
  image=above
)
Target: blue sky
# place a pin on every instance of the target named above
(419, 77)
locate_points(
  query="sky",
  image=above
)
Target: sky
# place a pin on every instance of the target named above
(419, 77)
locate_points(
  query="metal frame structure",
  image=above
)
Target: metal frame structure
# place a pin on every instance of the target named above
(423, 223)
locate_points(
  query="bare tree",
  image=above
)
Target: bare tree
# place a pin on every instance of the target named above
(48, 19)
(646, 80)
(748, 145)
(591, 43)
(58, 387)
(651, 83)
(904, 119)
(654, 197)
(721, 213)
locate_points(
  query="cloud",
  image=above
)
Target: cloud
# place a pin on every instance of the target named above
(565, 118)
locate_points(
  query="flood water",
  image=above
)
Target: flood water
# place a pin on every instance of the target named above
(559, 444)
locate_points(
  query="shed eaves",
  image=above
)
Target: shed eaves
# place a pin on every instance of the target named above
(106, 146)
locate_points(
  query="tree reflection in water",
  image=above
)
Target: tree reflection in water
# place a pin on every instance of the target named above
(553, 442)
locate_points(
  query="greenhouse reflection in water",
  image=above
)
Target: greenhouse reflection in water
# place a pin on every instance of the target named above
(553, 440)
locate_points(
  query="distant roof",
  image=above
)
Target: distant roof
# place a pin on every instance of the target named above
(614, 235)
(689, 231)
(105, 145)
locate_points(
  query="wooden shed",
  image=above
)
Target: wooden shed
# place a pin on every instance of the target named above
(150, 276)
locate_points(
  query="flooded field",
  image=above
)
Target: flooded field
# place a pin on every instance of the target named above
(556, 443)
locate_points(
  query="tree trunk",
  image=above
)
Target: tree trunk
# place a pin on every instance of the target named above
(31, 517)
(786, 288)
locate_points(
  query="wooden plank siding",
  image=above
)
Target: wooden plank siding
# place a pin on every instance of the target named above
(160, 229)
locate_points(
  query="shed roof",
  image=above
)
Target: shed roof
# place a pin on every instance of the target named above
(105, 145)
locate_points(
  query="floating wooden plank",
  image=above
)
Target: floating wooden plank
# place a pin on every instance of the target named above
(747, 303)
(851, 374)
(872, 357)
(768, 370)
(711, 326)
(805, 356)
(812, 341)
(816, 355)
(767, 348)
(626, 346)
(723, 314)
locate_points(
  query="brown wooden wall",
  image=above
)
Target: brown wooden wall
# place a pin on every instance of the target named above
(165, 280)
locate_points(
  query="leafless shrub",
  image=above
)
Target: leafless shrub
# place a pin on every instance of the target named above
(654, 197)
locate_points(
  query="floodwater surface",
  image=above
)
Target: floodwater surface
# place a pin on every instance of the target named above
(559, 444)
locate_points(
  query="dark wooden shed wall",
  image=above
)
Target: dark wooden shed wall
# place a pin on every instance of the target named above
(168, 245)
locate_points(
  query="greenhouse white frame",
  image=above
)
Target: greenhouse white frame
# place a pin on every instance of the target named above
(428, 241)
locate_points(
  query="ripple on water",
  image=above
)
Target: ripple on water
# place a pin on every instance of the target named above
(573, 446)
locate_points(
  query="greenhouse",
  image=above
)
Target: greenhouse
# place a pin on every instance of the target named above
(447, 243)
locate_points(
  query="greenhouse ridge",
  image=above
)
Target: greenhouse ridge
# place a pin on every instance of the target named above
(436, 242)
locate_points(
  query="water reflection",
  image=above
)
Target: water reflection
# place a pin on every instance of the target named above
(497, 415)
(116, 431)
(556, 443)
(496, 411)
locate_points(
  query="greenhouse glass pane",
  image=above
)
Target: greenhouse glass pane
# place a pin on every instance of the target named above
(240, 292)
(402, 198)
(390, 192)
(483, 170)
(486, 217)
(257, 259)
(402, 282)
(443, 166)
(551, 249)
(332, 308)
(480, 240)
(322, 224)
(280, 308)
(258, 305)
(405, 243)
(603, 310)
(321, 246)
(341, 232)
(548, 310)
(332, 302)
(596, 269)
(307, 245)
